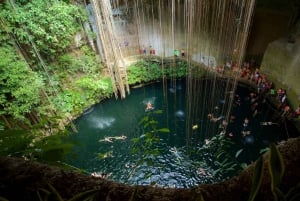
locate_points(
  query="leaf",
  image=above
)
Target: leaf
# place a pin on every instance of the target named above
(264, 150)
(279, 195)
(276, 166)
(238, 153)
(295, 197)
(256, 178)
(158, 112)
(84, 195)
(220, 154)
(133, 195)
(244, 166)
(55, 192)
(292, 193)
(3, 199)
(164, 130)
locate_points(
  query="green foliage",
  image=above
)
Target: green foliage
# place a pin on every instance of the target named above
(94, 88)
(147, 144)
(223, 161)
(150, 70)
(20, 86)
(50, 25)
(84, 63)
(86, 195)
(3, 199)
(143, 71)
(256, 178)
(68, 101)
(178, 70)
(276, 168)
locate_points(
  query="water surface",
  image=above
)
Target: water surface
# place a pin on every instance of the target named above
(168, 163)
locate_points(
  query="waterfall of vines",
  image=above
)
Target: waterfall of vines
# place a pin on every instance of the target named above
(204, 31)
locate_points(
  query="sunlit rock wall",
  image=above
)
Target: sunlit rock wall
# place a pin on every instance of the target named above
(281, 62)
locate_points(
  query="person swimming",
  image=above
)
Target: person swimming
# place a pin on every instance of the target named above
(110, 139)
(101, 175)
(214, 119)
(267, 123)
(106, 139)
(149, 106)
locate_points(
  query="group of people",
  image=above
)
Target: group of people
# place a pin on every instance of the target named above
(263, 85)
(143, 50)
(265, 90)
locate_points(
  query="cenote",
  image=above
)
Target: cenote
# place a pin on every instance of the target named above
(171, 146)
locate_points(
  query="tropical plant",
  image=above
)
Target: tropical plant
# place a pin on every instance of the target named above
(146, 144)
(219, 153)
(45, 194)
(94, 88)
(49, 26)
(83, 62)
(276, 170)
(20, 86)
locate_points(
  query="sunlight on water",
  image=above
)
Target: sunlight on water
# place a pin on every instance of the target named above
(101, 122)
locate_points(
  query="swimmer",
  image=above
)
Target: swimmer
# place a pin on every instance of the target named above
(267, 123)
(122, 137)
(110, 139)
(224, 124)
(246, 122)
(245, 133)
(207, 141)
(232, 118)
(173, 150)
(128, 165)
(102, 175)
(106, 139)
(149, 106)
(201, 171)
(214, 119)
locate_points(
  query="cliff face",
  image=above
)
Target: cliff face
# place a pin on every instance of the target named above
(24, 180)
(281, 62)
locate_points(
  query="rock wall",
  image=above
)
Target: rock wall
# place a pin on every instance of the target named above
(281, 63)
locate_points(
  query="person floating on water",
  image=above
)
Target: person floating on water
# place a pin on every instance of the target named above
(149, 106)
(110, 139)
(101, 175)
(214, 119)
(267, 123)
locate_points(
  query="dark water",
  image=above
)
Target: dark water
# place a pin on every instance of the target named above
(160, 158)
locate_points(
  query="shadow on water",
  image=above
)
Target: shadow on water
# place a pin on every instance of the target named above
(119, 138)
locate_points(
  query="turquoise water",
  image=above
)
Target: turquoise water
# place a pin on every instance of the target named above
(136, 155)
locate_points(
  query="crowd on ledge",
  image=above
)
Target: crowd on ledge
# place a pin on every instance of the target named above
(264, 87)
(267, 88)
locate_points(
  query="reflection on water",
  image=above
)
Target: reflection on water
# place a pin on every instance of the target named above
(101, 122)
(113, 141)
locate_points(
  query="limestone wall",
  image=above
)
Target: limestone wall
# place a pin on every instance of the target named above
(281, 62)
